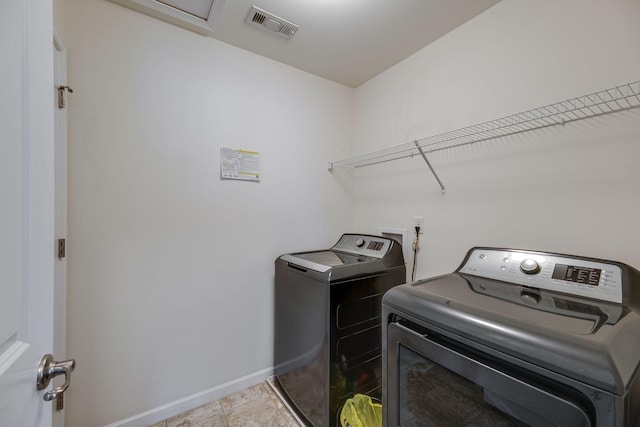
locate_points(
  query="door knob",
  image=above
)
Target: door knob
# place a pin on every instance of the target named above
(49, 369)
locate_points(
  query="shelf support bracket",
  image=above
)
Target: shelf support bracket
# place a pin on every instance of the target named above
(424, 156)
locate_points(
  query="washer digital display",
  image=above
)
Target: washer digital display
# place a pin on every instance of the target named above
(572, 273)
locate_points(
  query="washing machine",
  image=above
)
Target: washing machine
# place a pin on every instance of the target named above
(328, 306)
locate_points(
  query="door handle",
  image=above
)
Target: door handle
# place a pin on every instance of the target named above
(49, 369)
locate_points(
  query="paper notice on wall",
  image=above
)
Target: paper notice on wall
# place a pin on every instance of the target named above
(239, 164)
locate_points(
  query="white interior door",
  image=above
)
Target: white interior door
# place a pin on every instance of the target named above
(26, 208)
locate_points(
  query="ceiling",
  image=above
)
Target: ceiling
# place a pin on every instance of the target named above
(346, 41)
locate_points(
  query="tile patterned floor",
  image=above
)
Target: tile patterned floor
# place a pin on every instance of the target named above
(257, 406)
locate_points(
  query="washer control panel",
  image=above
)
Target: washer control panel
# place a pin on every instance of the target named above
(360, 244)
(561, 273)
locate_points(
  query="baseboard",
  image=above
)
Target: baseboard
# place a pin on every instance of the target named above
(190, 402)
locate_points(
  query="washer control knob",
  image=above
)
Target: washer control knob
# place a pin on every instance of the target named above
(360, 243)
(529, 266)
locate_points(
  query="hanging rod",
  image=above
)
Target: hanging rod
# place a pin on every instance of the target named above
(619, 98)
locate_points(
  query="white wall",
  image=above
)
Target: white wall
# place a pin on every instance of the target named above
(571, 189)
(170, 268)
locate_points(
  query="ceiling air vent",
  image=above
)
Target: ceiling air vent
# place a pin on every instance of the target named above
(271, 22)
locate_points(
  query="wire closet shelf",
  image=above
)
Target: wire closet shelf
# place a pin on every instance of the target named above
(607, 101)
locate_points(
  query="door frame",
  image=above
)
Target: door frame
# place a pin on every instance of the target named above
(60, 264)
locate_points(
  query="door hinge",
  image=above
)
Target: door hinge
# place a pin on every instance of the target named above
(62, 96)
(62, 250)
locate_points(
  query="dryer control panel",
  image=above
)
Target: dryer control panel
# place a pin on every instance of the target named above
(562, 273)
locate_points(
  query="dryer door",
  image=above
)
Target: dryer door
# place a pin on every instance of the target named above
(432, 384)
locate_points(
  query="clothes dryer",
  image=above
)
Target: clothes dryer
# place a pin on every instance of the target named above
(512, 338)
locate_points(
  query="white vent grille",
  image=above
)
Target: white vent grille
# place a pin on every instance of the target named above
(271, 22)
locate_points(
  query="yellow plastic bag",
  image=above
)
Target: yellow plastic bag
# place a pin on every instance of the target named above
(360, 411)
